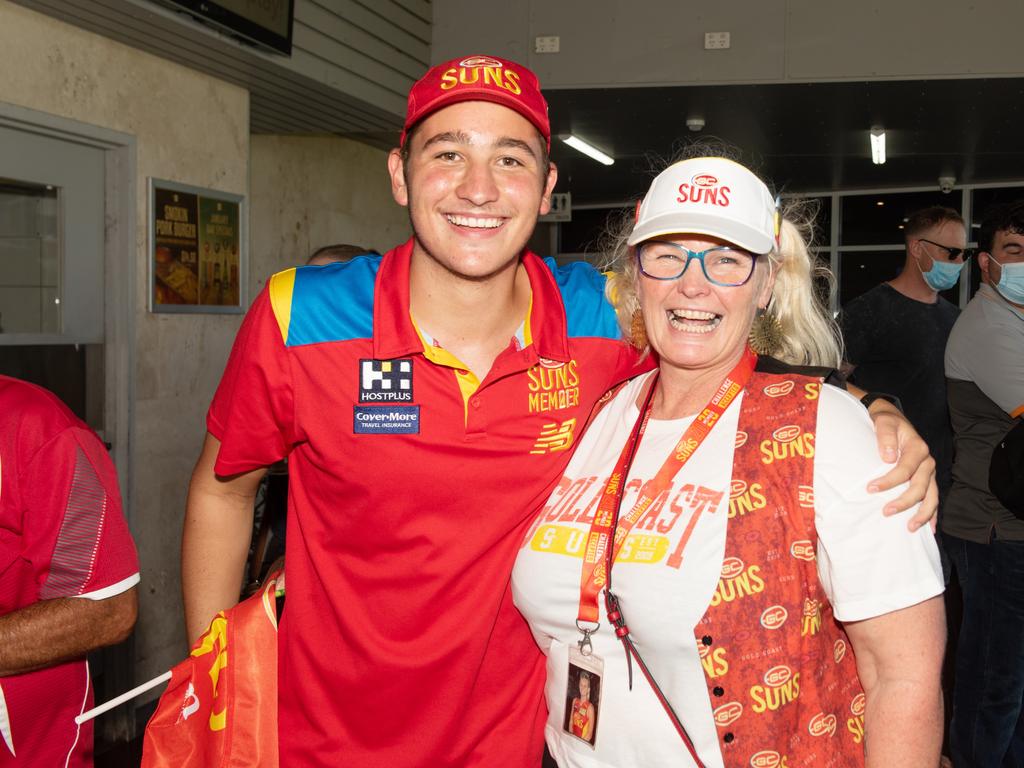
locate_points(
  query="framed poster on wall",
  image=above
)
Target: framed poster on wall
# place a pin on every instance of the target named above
(197, 249)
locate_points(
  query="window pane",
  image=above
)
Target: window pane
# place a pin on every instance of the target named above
(865, 222)
(983, 199)
(583, 233)
(73, 372)
(860, 272)
(29, 258)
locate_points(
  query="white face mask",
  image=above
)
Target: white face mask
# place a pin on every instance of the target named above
(1011, 281)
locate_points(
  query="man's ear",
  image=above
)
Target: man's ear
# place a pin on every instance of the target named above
(549, 187)
(984, 265)
(396, 169)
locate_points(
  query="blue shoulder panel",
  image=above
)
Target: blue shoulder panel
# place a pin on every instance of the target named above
(333, 302)
(587, 311)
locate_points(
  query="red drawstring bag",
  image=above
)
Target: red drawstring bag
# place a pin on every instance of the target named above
(220, 706)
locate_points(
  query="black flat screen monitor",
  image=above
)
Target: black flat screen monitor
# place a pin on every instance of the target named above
(265, 23)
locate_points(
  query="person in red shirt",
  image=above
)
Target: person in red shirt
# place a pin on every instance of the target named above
(583, 714)
(427, 402)
(68, 571)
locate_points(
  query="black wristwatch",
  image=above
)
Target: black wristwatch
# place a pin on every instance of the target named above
(870, 397)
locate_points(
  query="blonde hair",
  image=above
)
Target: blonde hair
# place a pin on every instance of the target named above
(809, 334)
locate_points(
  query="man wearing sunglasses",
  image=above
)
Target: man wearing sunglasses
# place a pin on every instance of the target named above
(985, 541)
(895, 334)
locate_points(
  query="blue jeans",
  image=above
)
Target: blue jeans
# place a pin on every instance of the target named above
(987, 730)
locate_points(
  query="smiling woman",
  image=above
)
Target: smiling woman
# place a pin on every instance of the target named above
(744, 547)
(775, 244)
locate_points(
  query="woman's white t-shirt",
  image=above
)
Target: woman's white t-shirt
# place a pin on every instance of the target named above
(868, 564)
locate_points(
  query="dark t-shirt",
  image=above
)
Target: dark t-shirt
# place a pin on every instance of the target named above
(897, 345)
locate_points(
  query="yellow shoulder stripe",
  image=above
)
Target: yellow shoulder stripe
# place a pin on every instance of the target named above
(282, 285)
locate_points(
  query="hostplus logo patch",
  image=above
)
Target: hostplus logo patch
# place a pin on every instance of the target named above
(385, 381)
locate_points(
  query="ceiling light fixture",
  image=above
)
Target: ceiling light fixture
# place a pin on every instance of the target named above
(877, 145)
(590, 151)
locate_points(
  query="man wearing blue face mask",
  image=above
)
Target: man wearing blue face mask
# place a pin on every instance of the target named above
(985, 379)
(895, 334)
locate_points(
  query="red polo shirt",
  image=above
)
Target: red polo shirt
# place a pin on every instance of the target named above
(411, 486)
(62, 535)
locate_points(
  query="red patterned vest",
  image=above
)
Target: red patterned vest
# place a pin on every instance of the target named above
(780, 671)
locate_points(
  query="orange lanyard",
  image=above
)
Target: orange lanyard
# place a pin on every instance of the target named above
(598, 557)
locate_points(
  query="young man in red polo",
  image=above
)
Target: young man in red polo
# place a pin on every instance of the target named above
(427, 402)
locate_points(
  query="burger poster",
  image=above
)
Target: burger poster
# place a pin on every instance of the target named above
(196, 249)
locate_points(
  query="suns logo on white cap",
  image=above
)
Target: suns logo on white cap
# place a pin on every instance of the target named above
(704, 188)
(479, 61)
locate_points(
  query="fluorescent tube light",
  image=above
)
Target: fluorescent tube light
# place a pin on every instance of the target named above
(581, 146)
(877, 145)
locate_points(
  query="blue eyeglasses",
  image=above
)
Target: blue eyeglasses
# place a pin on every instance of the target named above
(724, 266)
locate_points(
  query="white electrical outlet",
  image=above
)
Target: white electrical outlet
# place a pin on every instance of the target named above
(715, 40)
(546, 44)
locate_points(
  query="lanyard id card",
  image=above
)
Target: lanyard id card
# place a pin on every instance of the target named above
(583, 695)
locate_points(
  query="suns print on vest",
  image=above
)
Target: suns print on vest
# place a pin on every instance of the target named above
(855, 723)
(715, 662)
(805, 497)
(769, 601)
(839, 650)
(779, 388)
(822, 724)
(774, 616)
(803, 550)
(728, 713)
(787, 442)
(779, 687)
(811, 618)
(768, 758)
(745, 498)
(738, 580)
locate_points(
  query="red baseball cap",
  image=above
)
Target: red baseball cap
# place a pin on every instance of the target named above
(478, 78)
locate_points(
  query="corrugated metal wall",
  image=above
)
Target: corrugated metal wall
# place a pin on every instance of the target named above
(351, 66)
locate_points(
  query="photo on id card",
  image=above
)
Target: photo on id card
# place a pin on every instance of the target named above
(583, 695)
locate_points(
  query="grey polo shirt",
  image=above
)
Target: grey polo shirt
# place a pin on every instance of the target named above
(985, 387)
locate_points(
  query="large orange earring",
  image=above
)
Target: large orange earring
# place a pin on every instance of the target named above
(637, 330)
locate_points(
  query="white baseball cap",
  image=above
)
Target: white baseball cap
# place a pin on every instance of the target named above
(709, 196)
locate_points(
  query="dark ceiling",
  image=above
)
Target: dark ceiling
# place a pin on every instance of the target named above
(801, 137)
